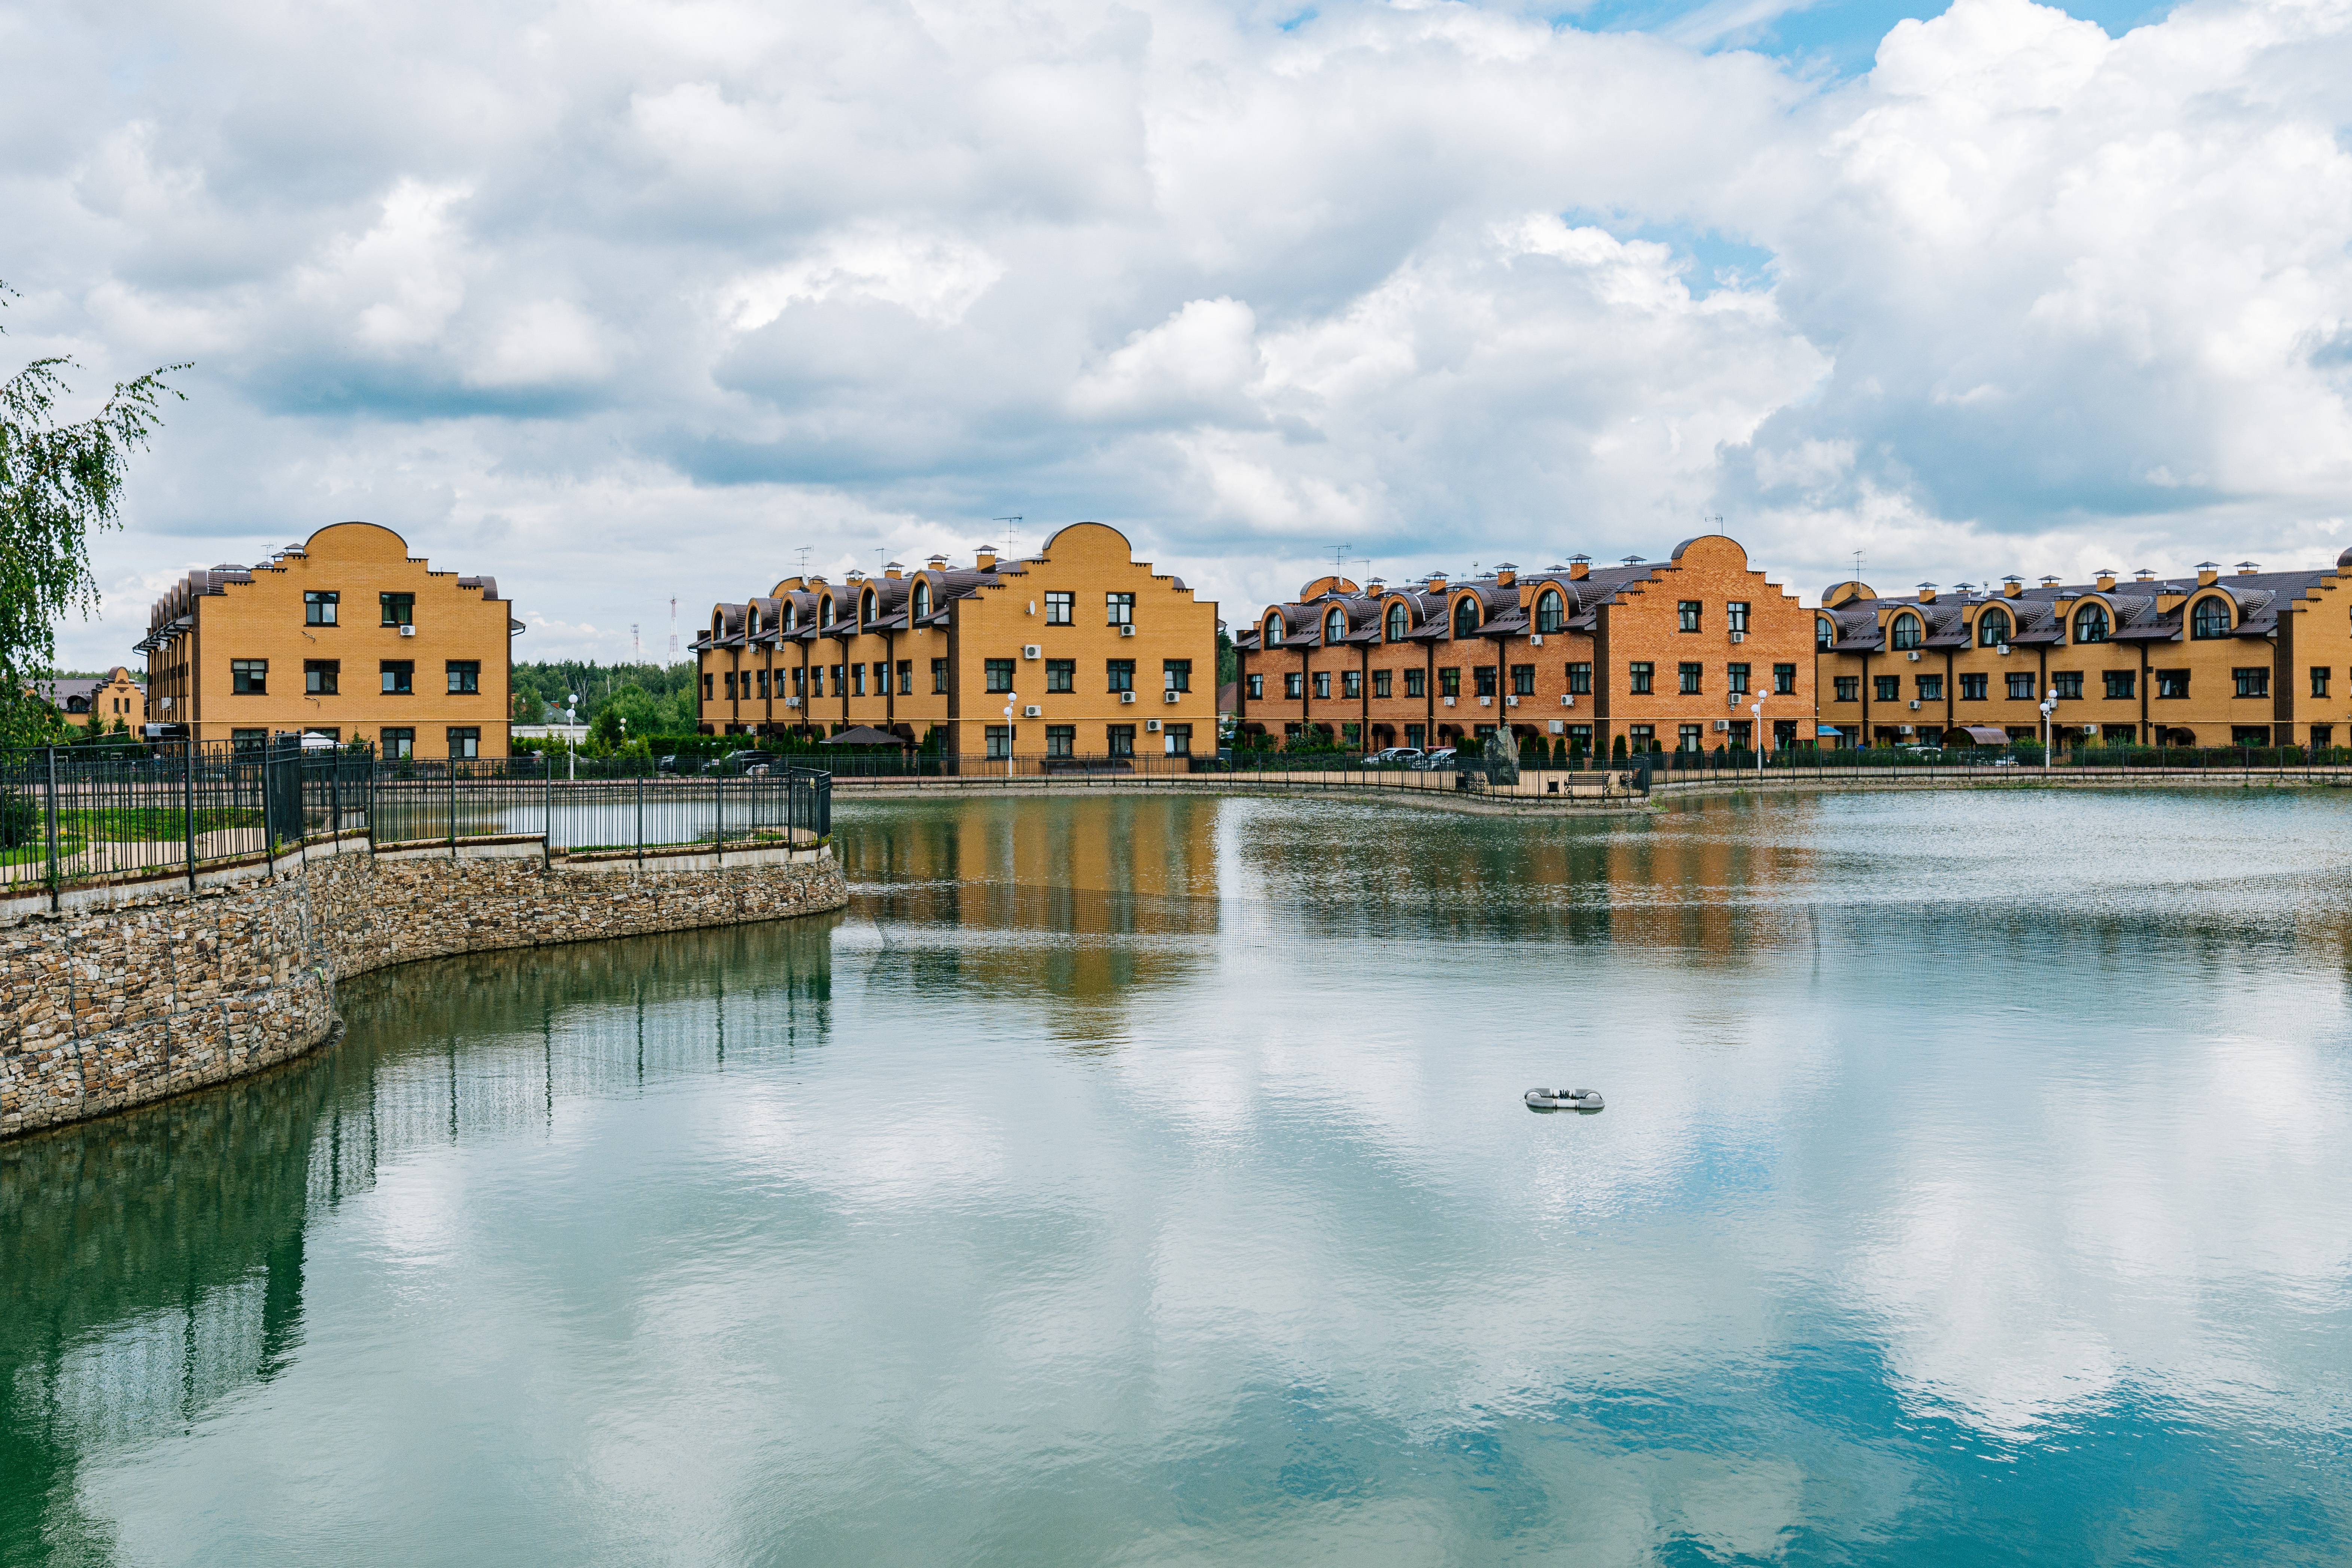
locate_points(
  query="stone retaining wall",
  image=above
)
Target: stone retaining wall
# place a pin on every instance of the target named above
(166, 990)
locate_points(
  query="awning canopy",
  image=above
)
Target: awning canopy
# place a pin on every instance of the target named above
(1827, 729)
(1979, 734)
(865, 735)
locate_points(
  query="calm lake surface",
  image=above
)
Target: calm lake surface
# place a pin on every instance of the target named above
(1145, 1181)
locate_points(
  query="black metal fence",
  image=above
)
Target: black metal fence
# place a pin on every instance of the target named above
(94, 813)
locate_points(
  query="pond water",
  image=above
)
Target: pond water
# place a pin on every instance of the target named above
(1145, 1181)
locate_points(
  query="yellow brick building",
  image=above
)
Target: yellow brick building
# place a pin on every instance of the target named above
(1096, 654)
(114, 696)
(345, 635)
(2249, 658)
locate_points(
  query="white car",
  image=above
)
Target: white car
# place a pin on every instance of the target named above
(1393, 757)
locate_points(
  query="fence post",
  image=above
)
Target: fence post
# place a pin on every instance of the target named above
(547, 810)
(188, 780)
(641, 822)
(719, 817)
(49, 811)
(451, 763)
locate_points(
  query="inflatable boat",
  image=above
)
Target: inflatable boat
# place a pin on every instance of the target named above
(1563, 1100)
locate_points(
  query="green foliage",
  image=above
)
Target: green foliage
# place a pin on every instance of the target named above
(1229, 662)
(655, 700)
(59, 484)
(1617, 749)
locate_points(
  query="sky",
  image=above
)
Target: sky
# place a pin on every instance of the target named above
(626, 302)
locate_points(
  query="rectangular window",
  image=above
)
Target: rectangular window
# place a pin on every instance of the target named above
(858, 680)
(1523, 681)
(728, 679)
(1686, 677)
(399, 677)
(2069, 684)
(705, 686)
(2123, 682)
(1294, 685)
(249, 739)
(1580, 740)
(1384, 683)
(1784, 680)
(398, 743)
(2250, 734)
(1120, 674)
(1640, 737)
(1972, 688)
(1000, 741)
(399, 609)
(1416, 683)
(1178, 740)
(2253, 680)
(2021, 689)
(1059, 610)
(466, 742)
(1120, 608)
(1000, 674)
(466, 676)
(1352, 684)
(2120, 734)
(1176, 675)
(1486, 674)
(816, 681)
(1687, 613)
(1931, 688)
(841, 679)
(939, 674)
(1061, 675)
(1849, 688)
(1416, 736)
(1580, 679)
(1122, 740)
(763, 684)
(1258, 688)
(322, 676)
(800, 678)
(320, 606)
(1322, 683)
(2323, 735)
(1735, 678)
(1735, 616)
(1449, 682)
(1639, 676)
(1061, 740)
(2319, 680)
(249, 676)
(1690, 738)
(1886, 688)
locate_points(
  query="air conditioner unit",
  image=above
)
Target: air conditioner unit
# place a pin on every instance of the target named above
(1151, 726)
(1127, 631)
(1914, 705)
(1172, 697)
(1913, 656)
(2002, 650)
(1723, 724)
(1902, 729)
(1568, 699)
(1486, 702)
(792, 701)
(1126, 696)
(408, 631)
(1558, 727)
(1511, 702)
(1731, 700)
(1031, 711)
(1031, 651)
(1740, 637)
(1447, 700)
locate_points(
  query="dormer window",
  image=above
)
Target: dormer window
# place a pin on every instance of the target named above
(2091, 624)
(1398, 623)
(825, 612)
(1907, 631)
(2211, 618)
(1273, 630)
(1465, 615)
(1335, 626)
(1824, 631)
(865, 610)
(1551, 611)
(922, 598)
(1992, 628)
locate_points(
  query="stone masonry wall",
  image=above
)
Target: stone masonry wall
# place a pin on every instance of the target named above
(101, 1009)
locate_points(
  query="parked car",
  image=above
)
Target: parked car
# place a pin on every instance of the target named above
(1393, 757)
(746, 763)
(1440, 758)
(668, 764)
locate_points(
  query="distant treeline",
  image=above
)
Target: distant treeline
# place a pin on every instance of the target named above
(653, 698)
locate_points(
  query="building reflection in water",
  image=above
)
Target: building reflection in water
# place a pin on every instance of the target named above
(151, 1264)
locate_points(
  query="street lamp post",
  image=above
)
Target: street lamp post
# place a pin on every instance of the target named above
(1756, 736)
(2049, 706)
(1012, 700)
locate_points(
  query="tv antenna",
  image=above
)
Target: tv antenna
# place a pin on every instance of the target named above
(637, 646)
(673, 631)
(1339, 556)
(802, 551)
(1011, 550)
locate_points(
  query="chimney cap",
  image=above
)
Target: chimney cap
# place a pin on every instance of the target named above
(1579, 555)
(1633, 560)
(2049, 580)
(2208, 566)
(2144, 574)
(1923, 584)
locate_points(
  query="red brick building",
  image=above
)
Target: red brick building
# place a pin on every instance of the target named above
(1675, 655)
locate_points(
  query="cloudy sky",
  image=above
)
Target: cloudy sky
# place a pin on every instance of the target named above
(620, 301)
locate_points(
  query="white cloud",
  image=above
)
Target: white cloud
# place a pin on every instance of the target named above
(1437, 277)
